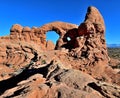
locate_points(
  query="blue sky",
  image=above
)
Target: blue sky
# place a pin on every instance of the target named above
(39, 12)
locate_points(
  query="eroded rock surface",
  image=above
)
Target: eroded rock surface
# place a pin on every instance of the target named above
(59, 82)
(38, 34)
(76, 67)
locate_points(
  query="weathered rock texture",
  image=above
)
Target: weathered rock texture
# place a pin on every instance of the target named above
(56, 81)
(38, 35)
(76, 67)
(90, 45)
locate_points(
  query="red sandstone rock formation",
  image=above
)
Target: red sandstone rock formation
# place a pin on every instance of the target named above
(38, 35)
(77, 68)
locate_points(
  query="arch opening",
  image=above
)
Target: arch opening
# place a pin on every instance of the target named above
(52, 36)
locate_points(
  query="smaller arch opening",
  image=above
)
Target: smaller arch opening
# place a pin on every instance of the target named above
(68, 39)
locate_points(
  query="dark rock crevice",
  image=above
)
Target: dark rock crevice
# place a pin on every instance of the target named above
(24, 74)
(94, 86)
(16, 93)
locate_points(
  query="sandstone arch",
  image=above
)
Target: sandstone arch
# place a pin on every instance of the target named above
(61, 28)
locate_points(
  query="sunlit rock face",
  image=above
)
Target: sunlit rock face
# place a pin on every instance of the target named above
(38, 35)
(76, 67)
(90, 41)
(85, 42)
